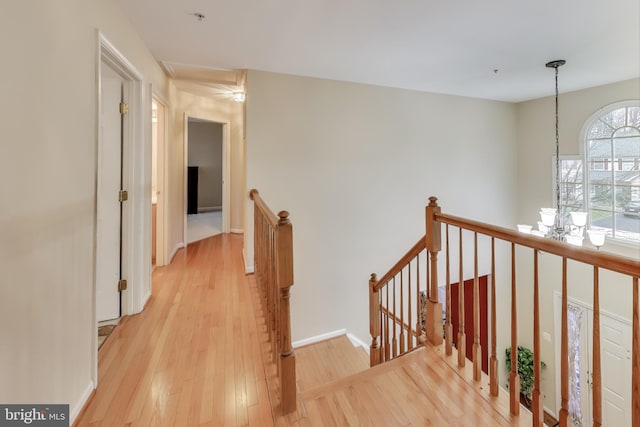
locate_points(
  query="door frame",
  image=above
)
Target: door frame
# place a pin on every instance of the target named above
(161, 178)
(136, 257)
(226, 163)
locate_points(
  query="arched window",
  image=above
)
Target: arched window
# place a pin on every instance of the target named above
(612, 169)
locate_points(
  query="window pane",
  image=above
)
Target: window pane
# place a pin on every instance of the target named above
(600, 149)
(616, 119)
(602, 219)
(571, 187)
(633, 116)
(601, 196)
(626, 132)
(600, 130)
(628, 215)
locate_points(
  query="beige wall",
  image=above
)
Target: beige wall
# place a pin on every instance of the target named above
(536, 138)
(354, 165)
(205, 151)
(47, 182)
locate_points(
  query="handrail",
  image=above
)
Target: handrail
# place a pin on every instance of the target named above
(411, 253)
(604, 260)
(268, 213)
(273, 268)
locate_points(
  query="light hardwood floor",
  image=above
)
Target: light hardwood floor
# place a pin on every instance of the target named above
(198, 355)
(192, 357)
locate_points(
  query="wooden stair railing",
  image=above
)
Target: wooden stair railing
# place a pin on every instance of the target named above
(387, 316)
(273, 269)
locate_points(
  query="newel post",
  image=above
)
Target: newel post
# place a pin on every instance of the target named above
(284, 275)
(433, 319)
(374, 321)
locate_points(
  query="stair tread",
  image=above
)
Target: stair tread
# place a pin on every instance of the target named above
(420, 385)
(328, 361)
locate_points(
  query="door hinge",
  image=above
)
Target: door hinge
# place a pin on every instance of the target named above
(123, 195)
(124, 108)
(122, 285)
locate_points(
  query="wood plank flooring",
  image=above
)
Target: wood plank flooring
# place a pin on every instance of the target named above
(418, 389)
(198, 355)
(192, 357)
(328, 361)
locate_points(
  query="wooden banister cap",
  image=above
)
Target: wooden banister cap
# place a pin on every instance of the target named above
(253, 193)
(284, 218)
(433, 201)
(373, 278)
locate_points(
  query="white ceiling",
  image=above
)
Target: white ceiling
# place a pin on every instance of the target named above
(436, 46)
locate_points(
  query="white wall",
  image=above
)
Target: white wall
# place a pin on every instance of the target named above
(47, 182)
(205, 151)
(536, 146)
(354, 165)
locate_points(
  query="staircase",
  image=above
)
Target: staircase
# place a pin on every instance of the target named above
(423, 387)
(418, 377)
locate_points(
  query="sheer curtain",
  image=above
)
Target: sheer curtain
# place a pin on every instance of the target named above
(574, 316)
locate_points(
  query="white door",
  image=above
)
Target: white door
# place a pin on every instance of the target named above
(109, 220)
(615, 350)
(615, 355)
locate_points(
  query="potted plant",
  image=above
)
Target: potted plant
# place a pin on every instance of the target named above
(525, 371)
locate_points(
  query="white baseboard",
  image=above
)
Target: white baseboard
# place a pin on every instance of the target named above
(75, 410)
(237, 231)
(318, 338)
(248, 268)
(357, 342)
(554, 414)
(175, 250)
(205, 209)
(145, 298)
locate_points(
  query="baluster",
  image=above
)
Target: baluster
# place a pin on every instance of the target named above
(493, 363)
(409, 310)
(272, 287)
(394, 321)
(374, 321)
(462, 338)
(448, 329)
(402, 335)
(477, 350)
(536, 394)
(596, 380)
(382, 334)
(284, 269)
(420, 337)
(514, 378)
(564, 351)
(635, 357)
(387, 352)
(433, 245)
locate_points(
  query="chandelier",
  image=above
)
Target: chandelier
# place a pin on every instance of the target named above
(553, 222)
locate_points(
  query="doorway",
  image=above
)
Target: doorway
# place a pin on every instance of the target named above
(158, 206)
(134, 167)
(110, 202)
(206, 183)
(615, 350)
